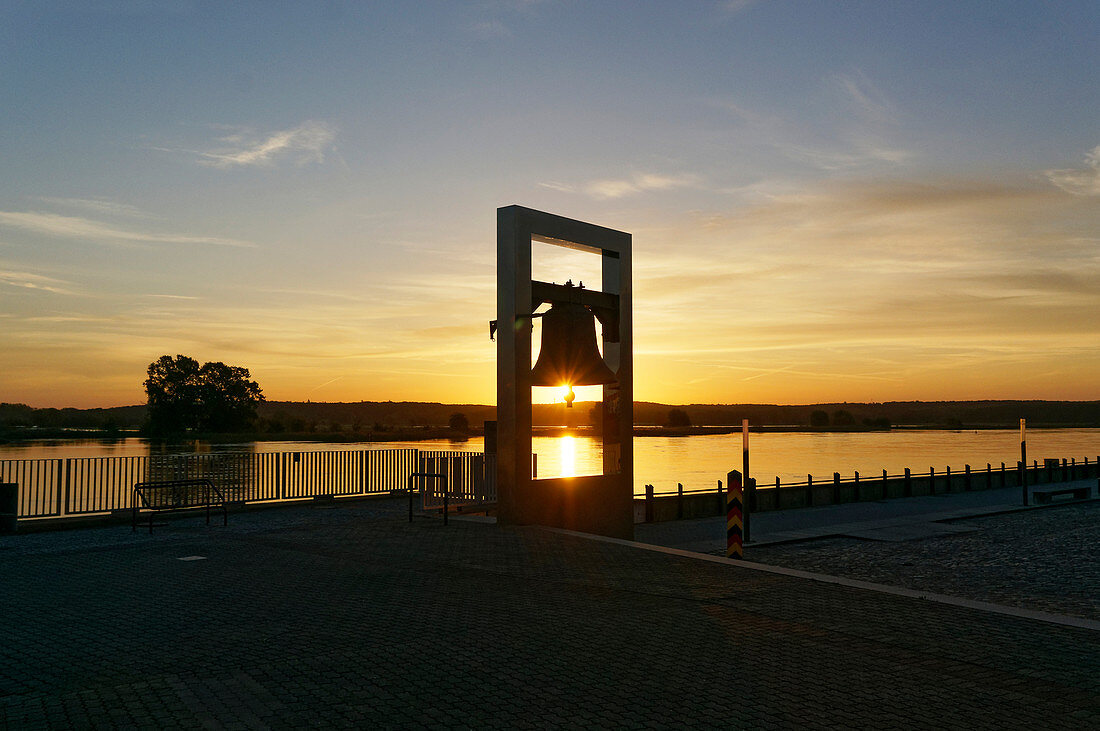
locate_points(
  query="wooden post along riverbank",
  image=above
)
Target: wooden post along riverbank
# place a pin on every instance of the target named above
(1023, 459)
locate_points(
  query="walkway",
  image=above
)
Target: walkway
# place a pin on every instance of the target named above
(886, 520)
(352, 617)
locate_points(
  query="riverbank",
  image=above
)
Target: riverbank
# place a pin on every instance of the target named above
(410, 434)
(352, 421)
(427, 433)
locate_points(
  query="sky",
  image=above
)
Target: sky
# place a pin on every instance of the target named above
(829, 201)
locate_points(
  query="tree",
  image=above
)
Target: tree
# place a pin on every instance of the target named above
(678, 417)
(184, 396)
(459, 423)
(843, 418)
(819, 418)
(228, 398)
(173, 394)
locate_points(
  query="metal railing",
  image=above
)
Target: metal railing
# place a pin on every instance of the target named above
(52, 488)
(470, 477)
(809, 492)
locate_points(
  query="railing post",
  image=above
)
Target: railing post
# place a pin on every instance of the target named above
(931, 480)
(907, 486)
(456, 469)
(988, 476)
(836, 488)
(948, 484)
(1072, 468)
(883, 483)
(721, 498)
(855, 487)
(59, 488)
(966, 479)
(1064, 465)
(361, 471)
(282, 478)
(679, 501)
(64, 506)
(810, 490)
(1022, 469)
(649, 503)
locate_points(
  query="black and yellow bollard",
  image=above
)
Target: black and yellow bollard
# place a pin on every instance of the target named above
(735, 516)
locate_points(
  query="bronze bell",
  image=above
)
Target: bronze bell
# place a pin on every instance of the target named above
(569, 355)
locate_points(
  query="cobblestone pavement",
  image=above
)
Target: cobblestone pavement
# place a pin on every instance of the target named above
(1045, 560)
(353, 617)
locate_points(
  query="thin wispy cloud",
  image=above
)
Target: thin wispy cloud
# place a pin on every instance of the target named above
(859, 93)
(488, 29)
(139, 7)
(86, 229)
(98, 206)
(609, 188)
(326, 383)
(1079, 181)
(861, 138)
(859, 154)
(733, 7)
(307, 143)
(30, 280)
(792, 370)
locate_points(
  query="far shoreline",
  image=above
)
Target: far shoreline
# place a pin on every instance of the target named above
(420, 434)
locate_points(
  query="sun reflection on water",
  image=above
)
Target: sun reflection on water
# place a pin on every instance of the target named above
(568, 447)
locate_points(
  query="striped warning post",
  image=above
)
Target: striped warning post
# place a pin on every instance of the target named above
(734, 516)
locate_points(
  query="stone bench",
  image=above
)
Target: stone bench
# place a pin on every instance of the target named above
(1046, 495)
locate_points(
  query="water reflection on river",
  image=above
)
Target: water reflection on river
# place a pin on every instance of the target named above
(698, 461)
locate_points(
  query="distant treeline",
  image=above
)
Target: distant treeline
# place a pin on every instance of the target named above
(109, 419)
(950, 414)
(275, 417)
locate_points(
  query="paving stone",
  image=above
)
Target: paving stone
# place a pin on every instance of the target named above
(354, 617)
(1044, 560)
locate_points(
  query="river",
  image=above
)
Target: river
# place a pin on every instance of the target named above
(698, 461)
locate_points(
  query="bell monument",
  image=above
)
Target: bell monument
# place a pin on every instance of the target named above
(604, 503)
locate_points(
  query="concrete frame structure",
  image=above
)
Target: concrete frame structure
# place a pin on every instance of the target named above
(601, 504)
